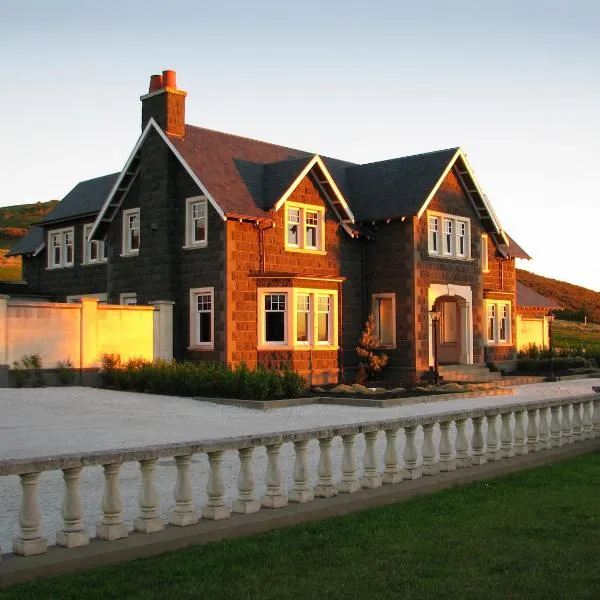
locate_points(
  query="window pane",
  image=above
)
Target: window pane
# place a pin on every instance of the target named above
(504, 324)
(302, 318)
(293, 226)
(312, 229)
(275, 327)
(385, 321)
(433, 234)
(491, 322)
(68, 240)
(135, 240)
(93, 246)
(323, 318)
(199, 222)
(204, 333)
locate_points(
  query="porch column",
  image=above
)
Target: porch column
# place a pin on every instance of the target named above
(466, 341)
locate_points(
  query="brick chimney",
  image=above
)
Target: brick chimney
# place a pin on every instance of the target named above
(165, 103)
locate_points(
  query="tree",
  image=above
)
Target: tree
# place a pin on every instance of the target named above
(371, 359)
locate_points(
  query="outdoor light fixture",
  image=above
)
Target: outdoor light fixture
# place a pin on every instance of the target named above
(550, 319)
(435, 319)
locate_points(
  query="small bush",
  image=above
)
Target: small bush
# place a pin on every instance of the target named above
(202, 379)
(27, 372)
(64, 372)
(371, 359)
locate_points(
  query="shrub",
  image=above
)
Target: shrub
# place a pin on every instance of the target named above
(64, 372)
(28, 371)
(202, 379)
(371, 360)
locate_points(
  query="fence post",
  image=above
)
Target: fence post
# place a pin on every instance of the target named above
(88, 348)
(163, 329)
(3, 340)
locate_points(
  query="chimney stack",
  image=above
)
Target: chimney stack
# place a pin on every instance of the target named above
(165, 104)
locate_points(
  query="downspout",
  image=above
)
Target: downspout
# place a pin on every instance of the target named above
(502, 275)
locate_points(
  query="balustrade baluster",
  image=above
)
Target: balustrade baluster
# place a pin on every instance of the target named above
(215, 508)
(492, 442)
(371, 478)
(246, 503)
(148, 521)
(274, 497)
(184, 512)
(72, 533)
(461, 444)
(596, 418)
(29, 541)
(520, 445)
(544, 439)
(410, 455)
(567, 427)
(430, 466)
(302, 491)
(587, 420)
(577, 424)
(555, 428)
(391, 473)
(532, 431)
(506, 437)
(447, 462)
(325, 487)
(478, 453)
(111, 527)
(350, 482)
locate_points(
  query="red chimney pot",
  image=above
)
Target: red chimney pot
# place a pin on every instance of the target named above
(169, 79)
(156, 83)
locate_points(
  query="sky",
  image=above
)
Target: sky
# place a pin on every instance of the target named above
(516, 84)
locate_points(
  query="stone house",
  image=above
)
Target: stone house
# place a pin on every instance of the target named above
(276, 256)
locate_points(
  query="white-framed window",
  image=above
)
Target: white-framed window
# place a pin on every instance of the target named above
(60, 248)
(485, 265)
(449, 236)
(498, 322)
(196, 222)
(94, 251)
(202, 318)
(128, 298)
(297, 317)
(131, 232)
(384, 311)
(304, 227)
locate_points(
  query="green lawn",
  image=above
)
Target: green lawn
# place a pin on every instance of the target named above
(574, 335)
(535, 534)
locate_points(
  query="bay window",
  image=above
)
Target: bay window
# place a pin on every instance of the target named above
(452, 239)
(304, 228)
(60, 248)
(498, 322)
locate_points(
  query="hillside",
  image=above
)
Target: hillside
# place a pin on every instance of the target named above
(15, 221)
(575, 300)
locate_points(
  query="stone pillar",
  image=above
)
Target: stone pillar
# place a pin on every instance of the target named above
(163, 329)
(88, 336)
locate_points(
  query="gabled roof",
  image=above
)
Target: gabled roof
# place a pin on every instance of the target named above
(396, 187)
(511, 249)
(32, 243)
(86, 198)
(528, 298)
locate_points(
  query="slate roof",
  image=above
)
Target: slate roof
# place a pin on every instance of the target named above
(396, 187)
(512, 249)
(528, 298)
(87, 197)
(30, 243)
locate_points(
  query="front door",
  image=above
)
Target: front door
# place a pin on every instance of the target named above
(449, 332)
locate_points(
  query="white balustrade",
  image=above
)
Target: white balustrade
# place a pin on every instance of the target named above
(30, 540)
(549, 425)
(492, 442)
(72, 533)
(325, 487)
(532, 431)
(430, 465)
(111, 527)
(447, 462)
(520, 445)
(555, 427)
(246, 502)
(506, 437)
(577, 424)
(184, 512)
(148, 521)
(478, 453)
(274, 497)
(461, 445)
(391, 473)
(410, 455)
(371, 478)
(302, 491)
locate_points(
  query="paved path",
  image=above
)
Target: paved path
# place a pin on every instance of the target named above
(36, 422)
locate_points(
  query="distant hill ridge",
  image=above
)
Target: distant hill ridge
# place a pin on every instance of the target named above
(574, 299)
(15, 221)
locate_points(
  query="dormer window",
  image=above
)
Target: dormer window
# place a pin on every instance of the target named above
(305, 228)
(449, 236)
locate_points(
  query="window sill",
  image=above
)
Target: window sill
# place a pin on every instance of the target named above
(313, 251)
(201, 348)
(129, 254)
(450, 257)
(194, 246)
(57, 267)
(296, 348)
(95, 263)
(501, 344)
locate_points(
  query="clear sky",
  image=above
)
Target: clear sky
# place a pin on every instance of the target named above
(515, 83)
